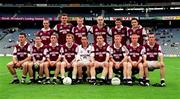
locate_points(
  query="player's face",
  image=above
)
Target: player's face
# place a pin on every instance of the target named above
(38, 40)
(134, 23)
(64, 19)
(118, 23)
(69, 39)
(100, 20)
(100, 39)
(134, 38)
(80, 21)
(151, 39)
(22, 38)
(53, 39)
(46, 24)
(117, 39)
(84, 40)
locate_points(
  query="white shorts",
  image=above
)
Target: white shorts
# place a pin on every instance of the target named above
(100, 63)
(152, 64)
(84, 62)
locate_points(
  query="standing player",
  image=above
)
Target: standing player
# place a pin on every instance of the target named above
(21, 56)
(80, 30)
(63, 28)
(100, 57)
(120, 29)
(135, 59)
(139, 30)
(69, 52)
(118, 57)
(38, 58)
(53, 56)
(100, 29)
(153, 52)
(84, 51)
(46, 32)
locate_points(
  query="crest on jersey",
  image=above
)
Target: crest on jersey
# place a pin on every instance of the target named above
(65, 50)
(147, 49)
(104, 29)
(96, 29)
(83, 29)
(115, 32)
(97, 49)
(76, 31)
(155, 49)
(18, 49)
(50, 50)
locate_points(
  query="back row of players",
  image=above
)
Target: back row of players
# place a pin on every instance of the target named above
(70, 50)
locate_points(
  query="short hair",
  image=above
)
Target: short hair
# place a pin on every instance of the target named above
(46, 20)
(70, 35)
(99, 35)
(135, 19)
(54, 34)
(119, 19)
(117, 35)
(151, 34)
(64, 14)
(23, 33)
(84, 36)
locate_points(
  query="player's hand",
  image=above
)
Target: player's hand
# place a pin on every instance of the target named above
(18, 64)
(135, 63)
(68, 65)
(116, 65)
(52, 63)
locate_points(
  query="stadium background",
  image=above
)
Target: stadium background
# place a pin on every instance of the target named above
(159, 16)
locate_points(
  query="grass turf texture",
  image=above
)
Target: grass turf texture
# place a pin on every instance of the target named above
(85, 91)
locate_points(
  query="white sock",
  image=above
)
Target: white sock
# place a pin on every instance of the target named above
(93, 77)
(73, 76)
(102, 77)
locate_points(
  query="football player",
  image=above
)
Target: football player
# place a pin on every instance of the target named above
(21, 56)
(135, 59)
(153, 52)
(53, 56)
(99, 57)
(38, 59)
(69, 51)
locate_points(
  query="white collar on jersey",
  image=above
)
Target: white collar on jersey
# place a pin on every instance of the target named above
(139, 27)
(102, 44)
(51, 44)
(136, 46)
(83, 47)
(71, 45)
(40, 46)
(120, 27)
(43, 29)
(116, 47)
(150, 45)
(23, 45)
(79, 27)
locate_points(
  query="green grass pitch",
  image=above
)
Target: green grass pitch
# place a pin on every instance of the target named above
(85, 91)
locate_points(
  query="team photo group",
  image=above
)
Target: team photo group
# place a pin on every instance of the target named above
(65, 53)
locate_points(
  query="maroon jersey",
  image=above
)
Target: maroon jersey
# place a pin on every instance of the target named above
(117, 53)
(100, 52)
(69, 53)
(21, 52)
(153, 52)
(104, 31)
(121, 31)
(79, 32)
(62, 30)
(45, 35)
(38, 53)
(135, 53)
(53, 53)
(139, 31)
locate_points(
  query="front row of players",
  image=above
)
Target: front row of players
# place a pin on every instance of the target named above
(73, 58)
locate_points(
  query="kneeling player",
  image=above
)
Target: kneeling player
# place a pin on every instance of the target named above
(153, 51)
(118, 58)
(53, 56)
(69, 52)
(100, 58)
(135, 59)
(21, 56)
(84, 51)
(38, 58)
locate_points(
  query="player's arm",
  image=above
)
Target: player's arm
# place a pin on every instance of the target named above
(107, 54)
(160, 54)
(14, 58)
(92, 55)
(125, 54)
